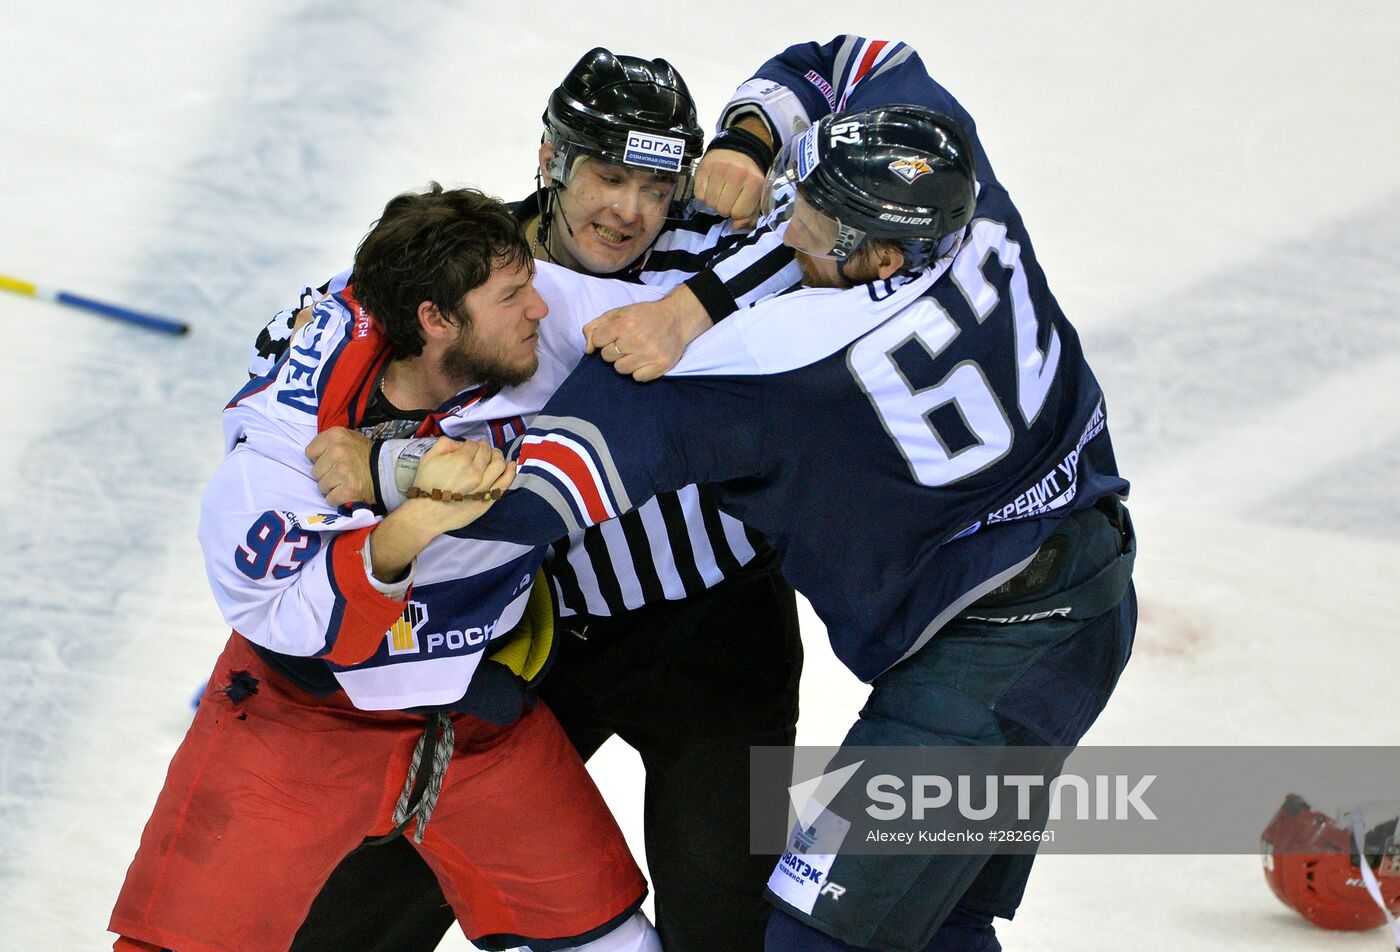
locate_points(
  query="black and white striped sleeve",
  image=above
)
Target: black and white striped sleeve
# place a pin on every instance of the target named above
(750, 269)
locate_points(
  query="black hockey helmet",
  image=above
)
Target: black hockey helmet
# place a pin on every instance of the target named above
(902, 172)
(626, 110)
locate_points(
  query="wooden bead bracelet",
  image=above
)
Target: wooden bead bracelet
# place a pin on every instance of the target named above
(488, 495)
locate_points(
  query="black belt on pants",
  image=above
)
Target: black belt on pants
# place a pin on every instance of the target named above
(1038, 591)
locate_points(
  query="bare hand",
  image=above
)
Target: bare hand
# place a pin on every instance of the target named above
(462, 467)
(340, 466)
(448, 466)
(732, 184)
(646, 340)
(302, 318)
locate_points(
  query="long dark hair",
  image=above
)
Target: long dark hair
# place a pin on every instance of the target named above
(434, 245)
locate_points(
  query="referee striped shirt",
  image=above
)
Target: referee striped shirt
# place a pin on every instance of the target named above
(677, 544)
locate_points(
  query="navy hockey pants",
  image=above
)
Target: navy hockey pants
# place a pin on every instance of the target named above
(1037, 683)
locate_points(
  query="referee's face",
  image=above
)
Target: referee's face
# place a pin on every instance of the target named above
(609, 214)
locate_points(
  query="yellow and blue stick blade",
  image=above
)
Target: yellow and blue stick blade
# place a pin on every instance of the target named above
(128, 315)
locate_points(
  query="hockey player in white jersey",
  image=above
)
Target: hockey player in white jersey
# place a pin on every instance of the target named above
(381, 676)
(680, 636)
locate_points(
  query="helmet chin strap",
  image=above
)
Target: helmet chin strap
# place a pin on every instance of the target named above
(546, 230)
(856, 252)
(567, 227)
(915, 259)
(547, 206)
(841, 270)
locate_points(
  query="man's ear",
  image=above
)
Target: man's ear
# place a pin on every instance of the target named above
(434, 323)
(888, 259)
(546, 153)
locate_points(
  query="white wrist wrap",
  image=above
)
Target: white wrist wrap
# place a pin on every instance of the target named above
(398, 467)
(774, 103)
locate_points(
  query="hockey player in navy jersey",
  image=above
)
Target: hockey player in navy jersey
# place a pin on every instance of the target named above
(358, 634)
(681, 636)
(917, 432)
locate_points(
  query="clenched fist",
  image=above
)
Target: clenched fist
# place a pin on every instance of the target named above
(731, 181)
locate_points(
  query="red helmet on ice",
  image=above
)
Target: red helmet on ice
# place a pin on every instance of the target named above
(1313, 866)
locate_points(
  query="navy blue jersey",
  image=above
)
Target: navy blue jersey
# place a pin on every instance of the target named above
(849, 73)
(795, 89)
(907, 445)
(902, 455)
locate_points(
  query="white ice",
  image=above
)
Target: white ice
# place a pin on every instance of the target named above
(1213, 188)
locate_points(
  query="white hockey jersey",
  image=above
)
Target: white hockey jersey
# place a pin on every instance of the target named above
(288, 570)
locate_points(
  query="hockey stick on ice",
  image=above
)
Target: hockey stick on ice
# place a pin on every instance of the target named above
(150, 321)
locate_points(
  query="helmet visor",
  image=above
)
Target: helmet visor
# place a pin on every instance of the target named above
(630, 189)
(808, 228)
(1375, 831)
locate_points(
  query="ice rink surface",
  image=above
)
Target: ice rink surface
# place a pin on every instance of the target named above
(1213, 189)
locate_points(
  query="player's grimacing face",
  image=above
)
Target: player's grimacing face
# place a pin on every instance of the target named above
(610, 214)
(496, 344)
